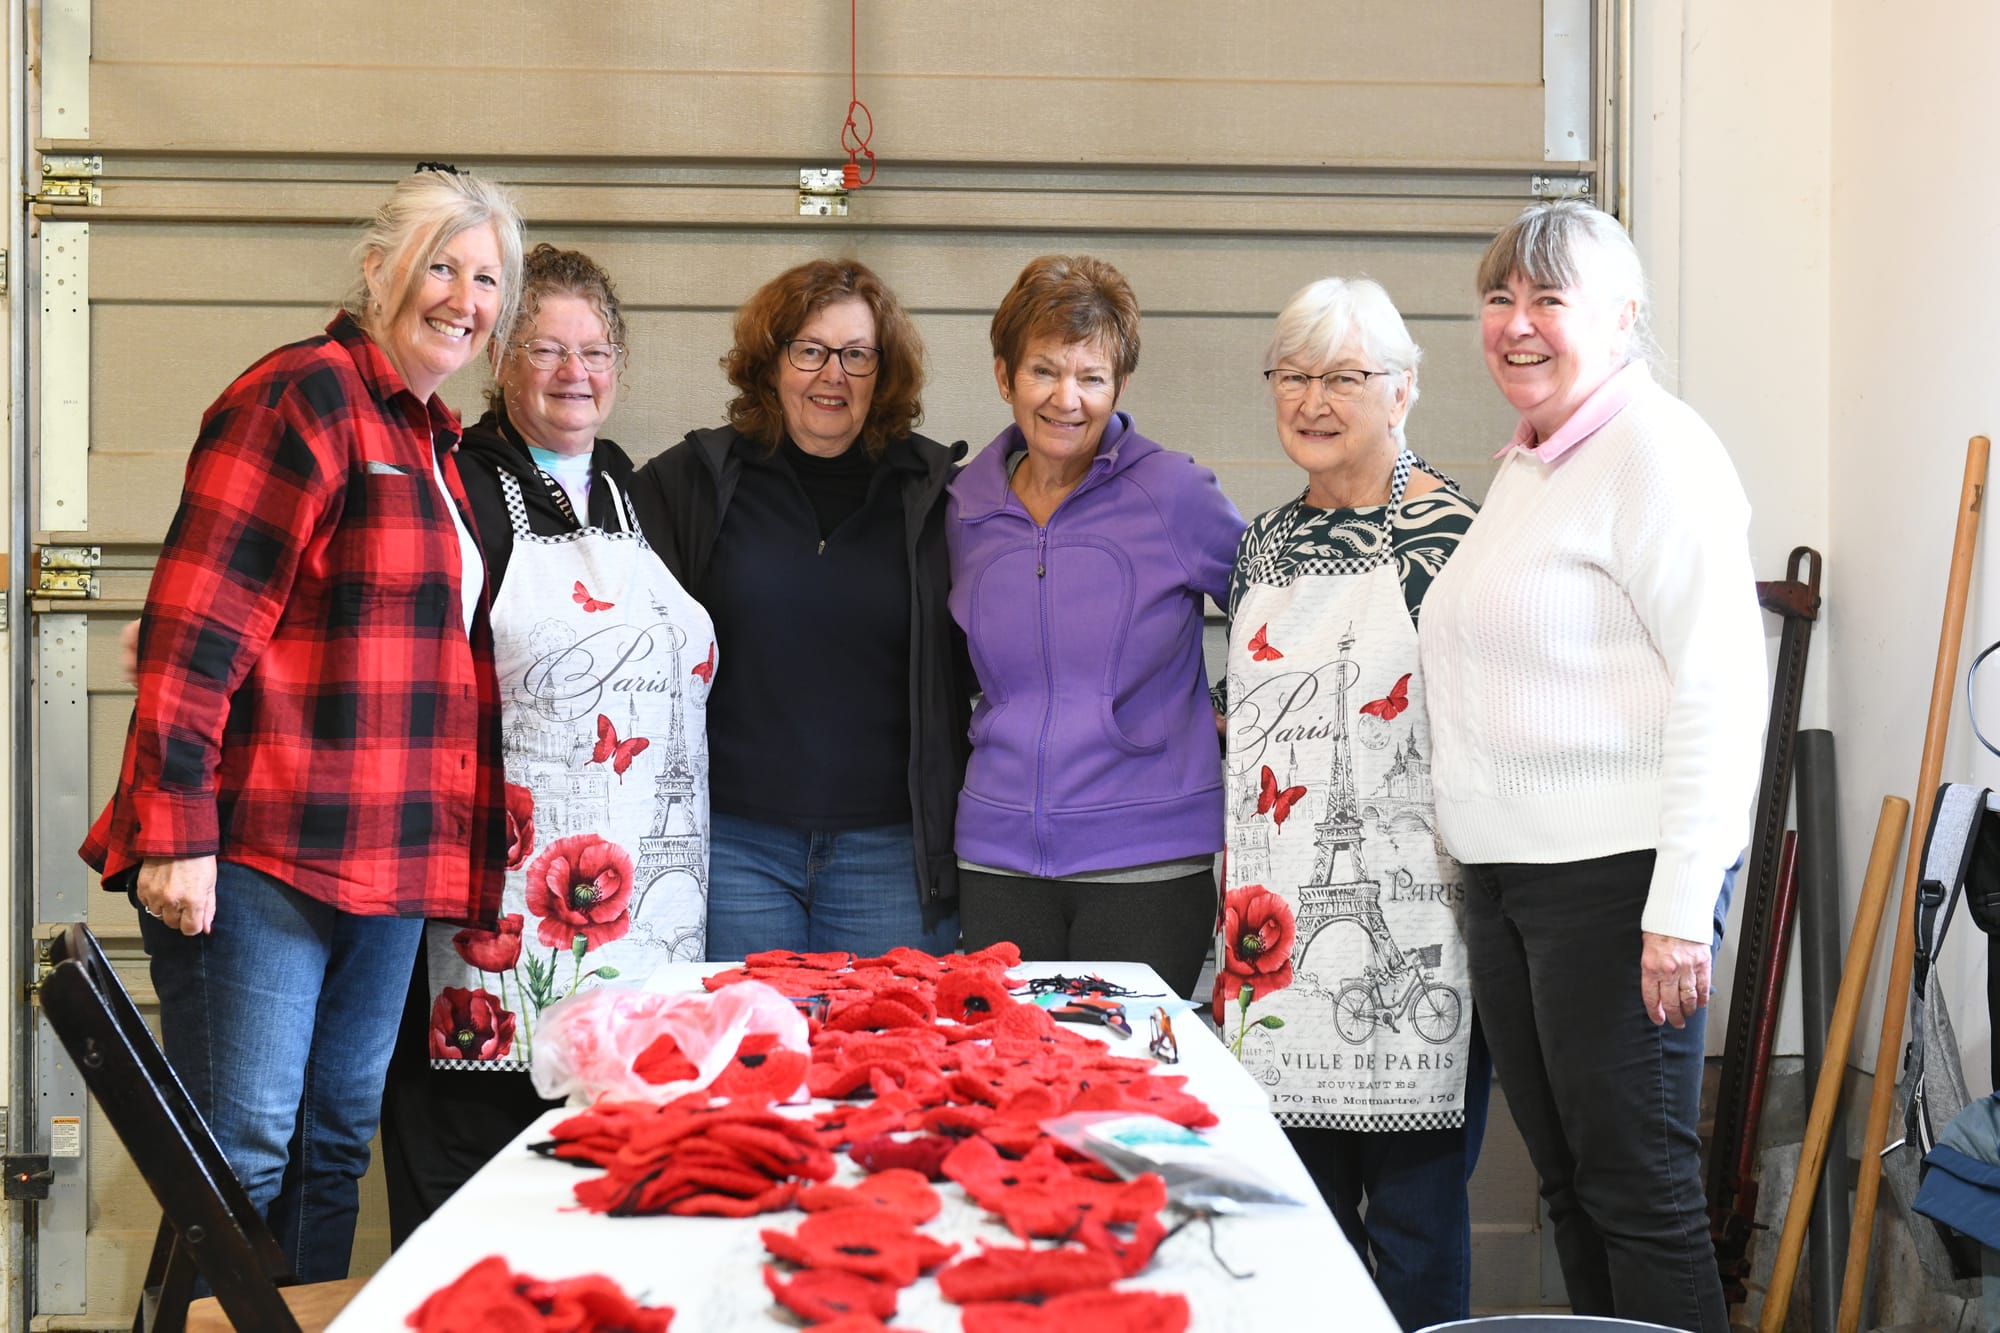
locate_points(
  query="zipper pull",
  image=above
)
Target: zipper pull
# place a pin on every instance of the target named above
(822, 547)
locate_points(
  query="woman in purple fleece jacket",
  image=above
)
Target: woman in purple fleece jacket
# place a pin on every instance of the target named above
(1081, 556)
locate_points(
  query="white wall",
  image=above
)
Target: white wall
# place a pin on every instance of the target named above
(1731, 201)
(1818, 198)
(1916, 315)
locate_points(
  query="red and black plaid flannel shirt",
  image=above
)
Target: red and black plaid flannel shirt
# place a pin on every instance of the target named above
(309, 703)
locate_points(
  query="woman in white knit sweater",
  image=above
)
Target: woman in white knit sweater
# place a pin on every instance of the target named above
(1596, 674)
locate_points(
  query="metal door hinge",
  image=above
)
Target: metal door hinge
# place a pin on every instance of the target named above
(27, 1176)
(3, 273)
(70, 178)
(1549, 189)
(822, 193)
(64, 571)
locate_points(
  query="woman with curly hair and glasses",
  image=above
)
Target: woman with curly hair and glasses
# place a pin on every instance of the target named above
(812, 527)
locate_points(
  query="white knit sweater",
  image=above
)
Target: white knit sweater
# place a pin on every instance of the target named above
(1594, 661)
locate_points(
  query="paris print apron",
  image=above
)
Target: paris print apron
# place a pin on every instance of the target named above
(605, 664)
(1328, 784)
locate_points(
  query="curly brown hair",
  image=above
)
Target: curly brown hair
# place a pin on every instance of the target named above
(1072, 298)
(780, 308)
(548, 272)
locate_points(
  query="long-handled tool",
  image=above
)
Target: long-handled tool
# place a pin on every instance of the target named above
(1840, 1034)
(1763, 937)
(1896, 1010)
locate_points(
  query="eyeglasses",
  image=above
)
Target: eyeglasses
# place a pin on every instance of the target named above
(1292, 384)
(810, 356)
(597, 358)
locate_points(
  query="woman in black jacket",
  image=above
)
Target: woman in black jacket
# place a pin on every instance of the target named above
(812, 527)
(604, 664)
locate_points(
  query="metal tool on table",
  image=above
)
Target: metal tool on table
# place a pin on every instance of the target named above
(1762, 937)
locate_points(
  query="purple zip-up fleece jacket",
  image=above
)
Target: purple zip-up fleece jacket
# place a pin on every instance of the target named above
(1094, 744)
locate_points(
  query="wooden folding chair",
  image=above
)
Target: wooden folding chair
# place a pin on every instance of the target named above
(209, 1226)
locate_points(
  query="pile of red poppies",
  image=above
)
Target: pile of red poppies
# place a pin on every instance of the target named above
(694, 1157)
(490, 1297)
(940, 1073)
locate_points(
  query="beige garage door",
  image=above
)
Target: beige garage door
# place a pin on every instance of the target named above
(1221, 155)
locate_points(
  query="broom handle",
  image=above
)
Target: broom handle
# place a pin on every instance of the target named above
(1895, 1009)
(1839, 1036)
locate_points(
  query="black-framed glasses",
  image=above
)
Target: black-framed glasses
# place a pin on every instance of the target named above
(809, 356)
(597, 358)
(1291, 384)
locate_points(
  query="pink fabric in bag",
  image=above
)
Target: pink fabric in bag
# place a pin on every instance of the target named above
(585, 1045)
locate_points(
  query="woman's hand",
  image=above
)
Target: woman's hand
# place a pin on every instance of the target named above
(128, 652)
(181, 892)
(1674, 977)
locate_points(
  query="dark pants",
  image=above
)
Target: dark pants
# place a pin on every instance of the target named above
(1416, 1236)
(441, 1125)
(1168, 924)
(1606, 1101)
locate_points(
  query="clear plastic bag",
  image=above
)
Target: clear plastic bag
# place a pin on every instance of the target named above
(1199, 1176)
(585, 1045)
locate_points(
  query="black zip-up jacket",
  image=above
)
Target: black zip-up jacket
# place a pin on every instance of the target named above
(682, 496)
(491, 447)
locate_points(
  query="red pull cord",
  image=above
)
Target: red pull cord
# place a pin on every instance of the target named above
(854, 138)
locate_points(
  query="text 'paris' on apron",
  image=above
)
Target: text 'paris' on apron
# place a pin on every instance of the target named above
(1330, 809)
(605, 664)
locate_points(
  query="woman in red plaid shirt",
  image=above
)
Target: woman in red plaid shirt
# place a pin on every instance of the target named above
(315, 743)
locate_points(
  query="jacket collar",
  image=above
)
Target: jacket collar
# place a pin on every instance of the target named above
(982, 486)
(380, 375)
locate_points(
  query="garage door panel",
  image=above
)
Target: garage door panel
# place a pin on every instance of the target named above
(1161, 38)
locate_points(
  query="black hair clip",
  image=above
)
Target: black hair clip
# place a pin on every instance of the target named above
(445, 167)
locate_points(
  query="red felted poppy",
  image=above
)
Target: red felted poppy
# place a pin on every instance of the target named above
(883, 1009)
(491, 950)
(900, 1191)
(867, 1241)
(469, 1025)
(594, 1304)
(482, 1299)
(491, 1298)
(1004, 954)
(581, 885)
(817, 1295)
(763, 1071)
(1106, 1310)
(923, 1154)
(853, 1323)
(1005, 1274)
(972, 995)
(520, 828)
(664, 1062)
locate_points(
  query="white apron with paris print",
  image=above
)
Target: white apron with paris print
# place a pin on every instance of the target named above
(605, 664)
(1330, 809)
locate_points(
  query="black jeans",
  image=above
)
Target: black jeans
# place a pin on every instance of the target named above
(1606, 1101)
(1168, 924)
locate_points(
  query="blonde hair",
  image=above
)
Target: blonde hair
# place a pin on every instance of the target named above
(418, 219)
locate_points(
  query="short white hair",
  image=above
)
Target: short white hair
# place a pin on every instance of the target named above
(1324, 316)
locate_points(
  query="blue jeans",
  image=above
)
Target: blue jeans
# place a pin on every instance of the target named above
(1606, 1101)
(280, 1022)
(772, 886)
(1416, 1237)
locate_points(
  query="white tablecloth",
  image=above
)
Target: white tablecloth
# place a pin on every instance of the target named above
(1304, 1274)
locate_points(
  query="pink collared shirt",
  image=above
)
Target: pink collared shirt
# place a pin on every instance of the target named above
(1609, 400)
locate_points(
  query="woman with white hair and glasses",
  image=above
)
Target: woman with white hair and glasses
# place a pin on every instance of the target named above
(1343, 913)
(313, 762)
(1596, 663)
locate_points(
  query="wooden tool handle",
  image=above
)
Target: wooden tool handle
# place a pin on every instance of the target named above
(1895, 1009)
(1833, 1068)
